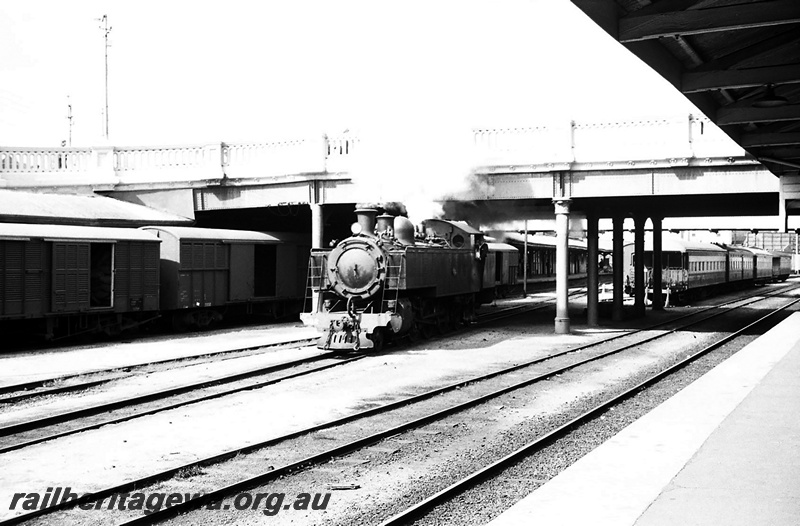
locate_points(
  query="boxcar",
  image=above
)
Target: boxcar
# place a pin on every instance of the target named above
(781, 266)
(68, 279)
(500, 268)
(205, 272)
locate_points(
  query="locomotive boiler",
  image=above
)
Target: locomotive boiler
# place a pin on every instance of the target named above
(387, 280)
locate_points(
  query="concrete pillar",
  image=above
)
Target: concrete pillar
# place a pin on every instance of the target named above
(592, 278)
(316, 226)
(525, 262)
(619, 267)
(638, 268)
(658, 300)
(562, 265)
(102, 166)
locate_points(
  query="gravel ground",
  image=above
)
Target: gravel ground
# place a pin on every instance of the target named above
(401, 471)
(373, 483)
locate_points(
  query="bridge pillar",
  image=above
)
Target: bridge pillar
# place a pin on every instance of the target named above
(592, 281)
(562, 265)
(617, 264)
(658, 299)
(317, 231)
(638, 268)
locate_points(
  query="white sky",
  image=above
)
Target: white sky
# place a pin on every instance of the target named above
(244, 71)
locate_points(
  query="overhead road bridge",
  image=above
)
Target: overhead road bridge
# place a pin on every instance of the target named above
(648, 168)
(655, 158)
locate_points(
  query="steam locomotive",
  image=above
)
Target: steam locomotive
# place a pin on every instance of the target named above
(387, 280)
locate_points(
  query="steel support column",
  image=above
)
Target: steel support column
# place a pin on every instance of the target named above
(658, 299)
(592, 278)
(638, 269)
(618, 266)
(562, 265)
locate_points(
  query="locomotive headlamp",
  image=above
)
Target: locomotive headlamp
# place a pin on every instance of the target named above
(355, 228)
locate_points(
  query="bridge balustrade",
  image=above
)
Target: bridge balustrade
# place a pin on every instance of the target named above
(39, 160)
(556, 146)
(634, 141)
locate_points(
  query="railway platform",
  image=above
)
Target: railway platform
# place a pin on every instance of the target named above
(724, 450)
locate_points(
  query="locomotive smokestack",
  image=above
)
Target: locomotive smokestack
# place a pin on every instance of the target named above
(366, 219)
(385, 222)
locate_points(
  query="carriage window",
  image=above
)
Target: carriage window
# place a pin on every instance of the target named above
(458, 241)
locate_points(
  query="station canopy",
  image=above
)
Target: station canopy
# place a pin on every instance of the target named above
(735, 60)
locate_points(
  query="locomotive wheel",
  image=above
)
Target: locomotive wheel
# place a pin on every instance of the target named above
(414, 334)
(427, 330)
(378, 338)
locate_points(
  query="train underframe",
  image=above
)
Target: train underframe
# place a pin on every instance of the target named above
(681, 293)
(57, 327)
(347, 328)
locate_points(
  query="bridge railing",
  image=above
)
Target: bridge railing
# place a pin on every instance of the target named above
(546, 147)
(42, 160)
(602, 142)
(165, 164)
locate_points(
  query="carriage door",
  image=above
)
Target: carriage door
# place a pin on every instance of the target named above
(266, 270)
(70, 276)
(21, 270)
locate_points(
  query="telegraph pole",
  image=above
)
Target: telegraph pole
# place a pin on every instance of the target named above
(106, 30)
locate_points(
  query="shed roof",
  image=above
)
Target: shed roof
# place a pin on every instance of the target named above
(217, 234)
(539, 239)
(502, 247)
(70, 209)
(25, 231)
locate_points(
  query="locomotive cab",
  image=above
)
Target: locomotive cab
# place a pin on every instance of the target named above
(455, 234)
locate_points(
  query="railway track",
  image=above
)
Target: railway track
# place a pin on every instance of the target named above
(52, 385)
(19, 392)
(18, 430)
(412, 513)
(327, 454)
(30, 432)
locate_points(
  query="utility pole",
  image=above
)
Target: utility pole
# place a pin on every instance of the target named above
(106, 30)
